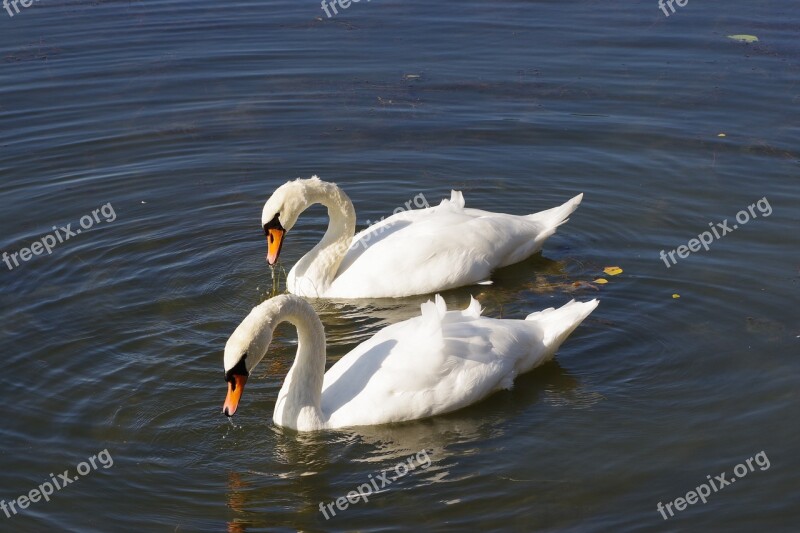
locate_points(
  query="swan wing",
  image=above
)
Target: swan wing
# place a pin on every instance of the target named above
(431, 364)
(438, 248)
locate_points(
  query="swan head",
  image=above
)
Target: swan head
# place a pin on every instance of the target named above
(245, 348)
(282, 210)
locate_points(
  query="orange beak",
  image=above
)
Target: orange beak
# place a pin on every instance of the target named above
(274, 243)
(235, 389)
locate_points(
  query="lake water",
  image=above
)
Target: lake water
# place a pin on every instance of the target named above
(182, 117)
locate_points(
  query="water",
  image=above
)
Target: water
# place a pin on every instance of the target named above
(185, 116)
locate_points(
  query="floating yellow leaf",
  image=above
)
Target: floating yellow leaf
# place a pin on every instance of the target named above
(612, 271)
(601, 281)
(676, 295)
(721, 135)
(744, 38)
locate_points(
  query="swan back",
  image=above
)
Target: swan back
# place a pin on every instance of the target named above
(440, 247)
(440, 361)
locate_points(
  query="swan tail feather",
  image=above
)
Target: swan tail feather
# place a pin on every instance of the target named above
(558, 324)
(553, 218)
(456, 200)
(433, 311)
(474, 309)
(429, 337)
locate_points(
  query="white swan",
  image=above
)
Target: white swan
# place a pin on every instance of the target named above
(417, 251)
(427, 365)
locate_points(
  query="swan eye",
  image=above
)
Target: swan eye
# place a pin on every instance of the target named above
(240, 368)
(275, 223)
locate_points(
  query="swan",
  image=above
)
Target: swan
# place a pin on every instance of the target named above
(418, 251)
(431, 364)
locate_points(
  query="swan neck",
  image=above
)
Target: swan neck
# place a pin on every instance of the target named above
(299, 401)
(319, 267)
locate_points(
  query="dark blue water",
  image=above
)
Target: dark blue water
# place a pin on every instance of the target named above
(183, 117)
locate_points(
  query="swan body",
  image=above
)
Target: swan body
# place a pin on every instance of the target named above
(418, 251)
(431, 364)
